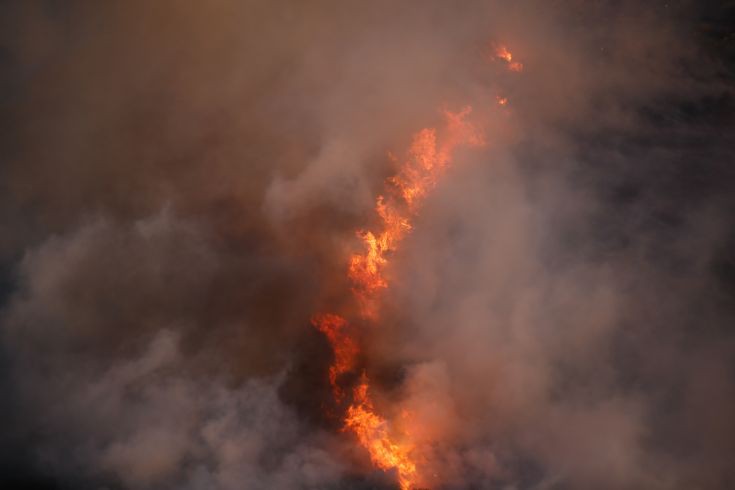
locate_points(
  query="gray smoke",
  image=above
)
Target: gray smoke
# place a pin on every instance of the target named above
(181, 185)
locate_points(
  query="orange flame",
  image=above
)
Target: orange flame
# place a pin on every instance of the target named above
(373, 432)
(501, 52)
(344, 346)
(426, 161)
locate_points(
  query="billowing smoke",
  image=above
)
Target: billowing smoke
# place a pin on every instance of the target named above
(182, 182)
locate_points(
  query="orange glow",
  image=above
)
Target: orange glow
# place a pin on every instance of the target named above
(501, 52)
(425, 162)
(344, 347)
(427, 158)
(373, 432)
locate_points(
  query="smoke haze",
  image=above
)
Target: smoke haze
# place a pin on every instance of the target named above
(182, 182)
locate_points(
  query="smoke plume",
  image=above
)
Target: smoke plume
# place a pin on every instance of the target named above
(182, 182)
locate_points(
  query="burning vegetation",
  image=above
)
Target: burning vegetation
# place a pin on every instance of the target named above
(278, 245)
(430, 154)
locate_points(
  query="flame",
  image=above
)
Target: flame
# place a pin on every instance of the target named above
(373, 432)
(426, 160)
(344, 346)
(501, 52)
(388, 443)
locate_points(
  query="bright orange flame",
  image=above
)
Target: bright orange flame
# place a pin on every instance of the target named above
(426, 160)
(502, 53)
(425, 163)
(373, 432)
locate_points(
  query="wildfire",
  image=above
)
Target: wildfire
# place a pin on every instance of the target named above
(373, 432)
(430, 153)
(427, 158)
(344, 347)
(425, 163)
(501, 52)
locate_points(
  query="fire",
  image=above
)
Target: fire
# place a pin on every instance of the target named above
(373, 432)
(426, 162)
(344, 347)
(427, 158)
(501, 52)
(429, 155)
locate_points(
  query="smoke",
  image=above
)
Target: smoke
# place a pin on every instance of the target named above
(181, 187)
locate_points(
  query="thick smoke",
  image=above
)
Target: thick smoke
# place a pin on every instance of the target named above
(181, 185)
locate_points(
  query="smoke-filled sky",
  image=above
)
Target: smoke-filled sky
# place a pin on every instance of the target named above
(181, 185)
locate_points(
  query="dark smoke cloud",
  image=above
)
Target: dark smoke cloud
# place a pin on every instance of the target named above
(181, 185)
